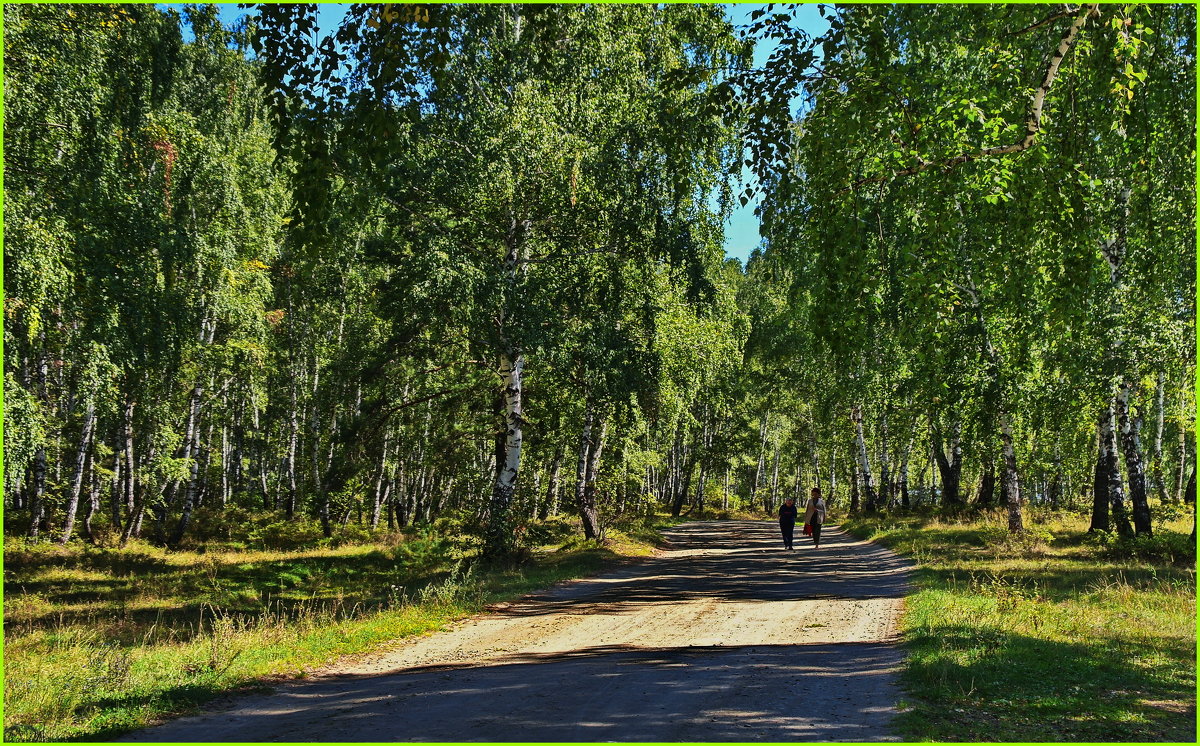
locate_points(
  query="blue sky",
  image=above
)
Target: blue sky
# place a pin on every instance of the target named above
(741, 231)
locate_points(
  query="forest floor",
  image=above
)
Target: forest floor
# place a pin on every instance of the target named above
(723, 636)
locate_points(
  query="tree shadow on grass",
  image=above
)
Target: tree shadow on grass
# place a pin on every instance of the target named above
(283, 589)
(1019, 688)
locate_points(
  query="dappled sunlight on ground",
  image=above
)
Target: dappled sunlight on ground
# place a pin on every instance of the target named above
(725, 636)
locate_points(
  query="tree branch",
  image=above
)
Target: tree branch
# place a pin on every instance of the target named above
(1033, 123)
(404, 405)
(1066, 11)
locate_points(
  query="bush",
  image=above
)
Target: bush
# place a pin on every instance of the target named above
(294, 534)
(554, 530)
(1170, 547)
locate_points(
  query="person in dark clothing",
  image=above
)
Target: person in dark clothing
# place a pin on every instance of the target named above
(787, 521)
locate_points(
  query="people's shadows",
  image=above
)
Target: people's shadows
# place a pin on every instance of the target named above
(615, 693)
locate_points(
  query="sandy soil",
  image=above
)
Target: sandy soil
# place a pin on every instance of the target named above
(722, 637)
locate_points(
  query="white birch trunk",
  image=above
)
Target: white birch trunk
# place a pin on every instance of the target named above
(864, 464)
(85, 439)
(499, 540)
(1134, 464)
(587, 512)
(1160, 418)
(1012, 484)
(1112, 473)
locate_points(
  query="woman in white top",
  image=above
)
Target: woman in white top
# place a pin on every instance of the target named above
(814, 515)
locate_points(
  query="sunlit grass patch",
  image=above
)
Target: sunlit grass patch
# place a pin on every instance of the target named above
(1048, 637)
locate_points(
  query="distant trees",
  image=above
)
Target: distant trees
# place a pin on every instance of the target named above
(465, 261)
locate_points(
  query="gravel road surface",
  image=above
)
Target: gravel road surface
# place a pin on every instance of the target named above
(724, 636)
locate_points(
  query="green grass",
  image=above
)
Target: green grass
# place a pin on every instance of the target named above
(102, 641)
(1052, 636)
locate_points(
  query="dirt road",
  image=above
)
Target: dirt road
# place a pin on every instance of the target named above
(724, 637)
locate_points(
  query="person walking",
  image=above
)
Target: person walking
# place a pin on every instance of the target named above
(787, 521)
(814, 515)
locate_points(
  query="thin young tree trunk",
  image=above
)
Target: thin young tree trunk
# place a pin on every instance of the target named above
(685, 480)
(133, 511)
(762, 451)
(192, 452)
(1112, 473)
(705, 458)
(868, 482)
(855, 498)
(499, 534)
(816, 461)
(324, 512)
(93, 495)
(774, 483)
(550, 505)
(140, 493)
(118, 480)
(885, 474)
(832, 471)
(1160, 485)
(378, 494)
(1054, 491)
(85, 440)
(1011, 482)
(289, 469)
(1100, 502)
(1181, 477)
(37, 507)
(18, 495)
(912, 437)
(587, 511)
(599, 429)
(1134, 464)
(205, 446)
(225, 484)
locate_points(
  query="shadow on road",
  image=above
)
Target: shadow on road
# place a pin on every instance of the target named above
(772, 693)
(736, 561)
(603, 692)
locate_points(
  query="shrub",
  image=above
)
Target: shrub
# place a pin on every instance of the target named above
(1163, 547)
(285, 534)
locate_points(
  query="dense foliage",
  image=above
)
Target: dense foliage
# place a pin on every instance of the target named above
(465, 261)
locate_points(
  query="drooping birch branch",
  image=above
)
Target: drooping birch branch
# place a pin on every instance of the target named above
(1033, 123)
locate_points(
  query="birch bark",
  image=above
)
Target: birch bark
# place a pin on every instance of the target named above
(85, 440)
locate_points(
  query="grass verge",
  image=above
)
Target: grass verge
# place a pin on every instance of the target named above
(1053, 636)
(102, 641)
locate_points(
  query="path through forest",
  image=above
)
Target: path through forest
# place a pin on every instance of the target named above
(722, 637)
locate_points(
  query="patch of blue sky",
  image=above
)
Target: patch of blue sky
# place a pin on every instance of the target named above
(741, 229)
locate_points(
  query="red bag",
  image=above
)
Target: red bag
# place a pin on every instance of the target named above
(808, 529)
